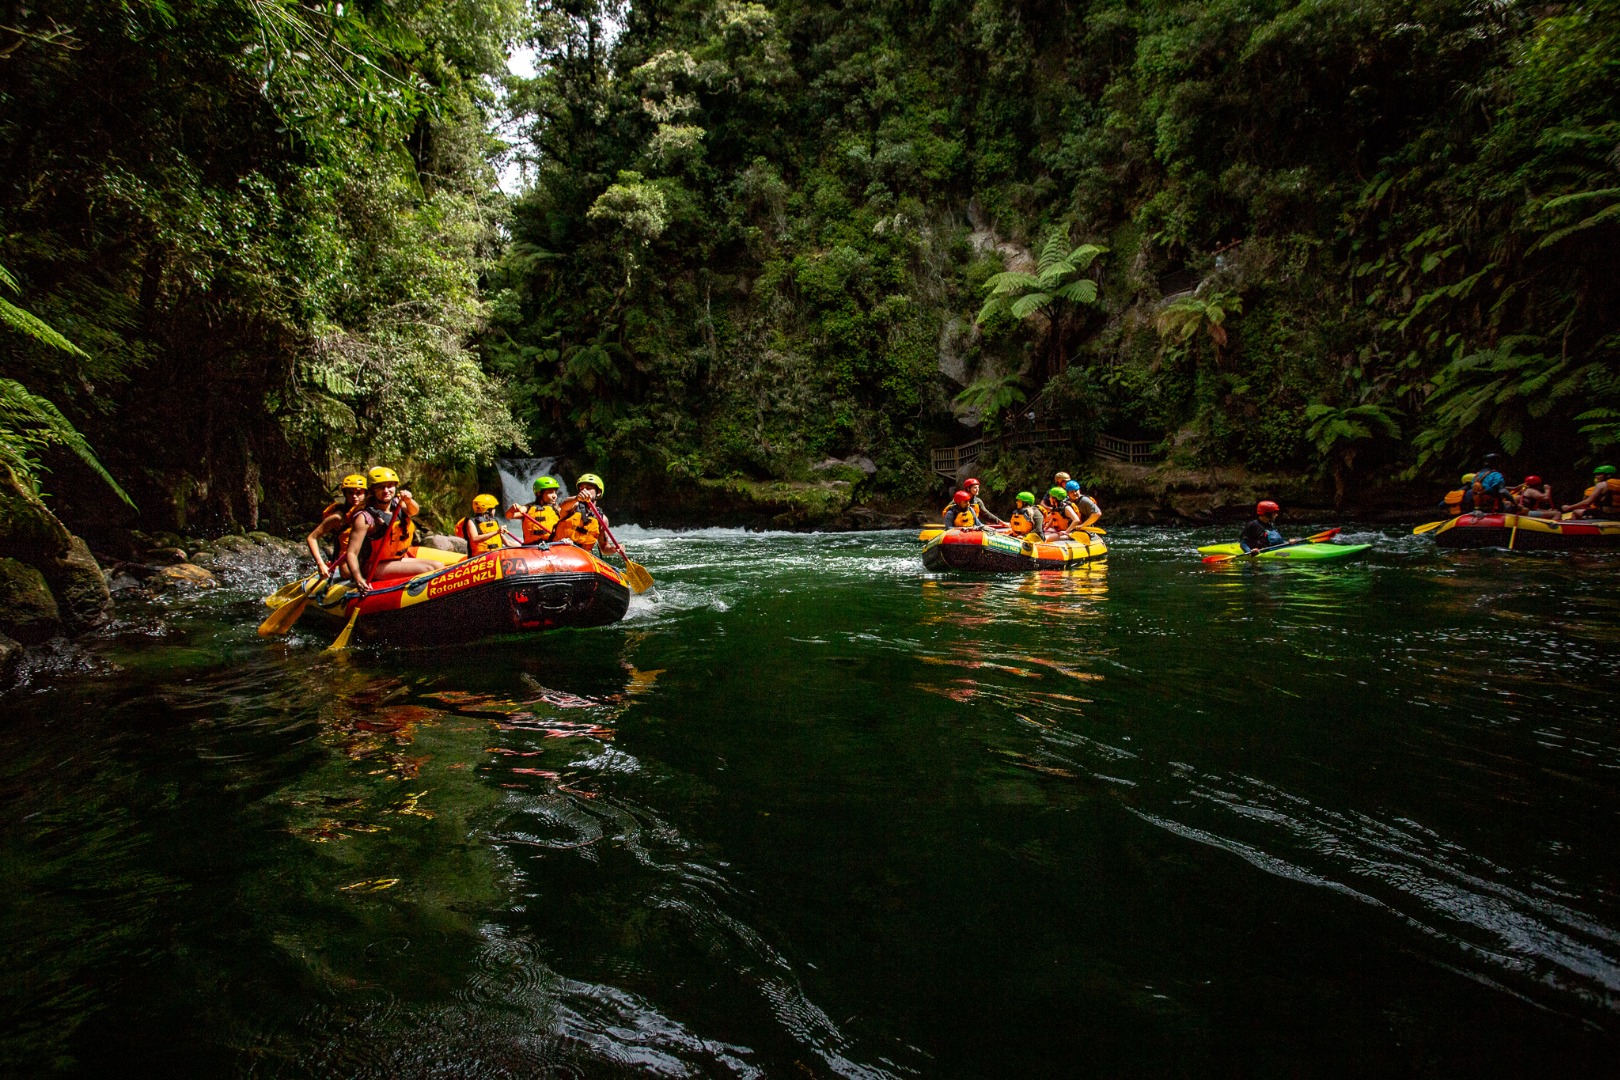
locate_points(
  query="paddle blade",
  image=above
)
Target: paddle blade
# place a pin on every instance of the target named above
(1219, 558)
(281, 620)
(342, 641)
(636, 574)
(1327, 535)
(1428, 528)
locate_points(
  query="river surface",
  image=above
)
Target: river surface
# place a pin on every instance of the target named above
(811, 811)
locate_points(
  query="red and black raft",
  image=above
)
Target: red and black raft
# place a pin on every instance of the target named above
(509, 591)
(1522, 532)
(996, 553)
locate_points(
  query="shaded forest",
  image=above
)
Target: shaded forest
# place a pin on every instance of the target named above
(1348, 239)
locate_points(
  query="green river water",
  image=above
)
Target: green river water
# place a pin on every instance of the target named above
(811, 811)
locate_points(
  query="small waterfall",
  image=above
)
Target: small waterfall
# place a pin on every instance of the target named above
(519, 474)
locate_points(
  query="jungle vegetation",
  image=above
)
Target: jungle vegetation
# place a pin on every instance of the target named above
(1353, 238)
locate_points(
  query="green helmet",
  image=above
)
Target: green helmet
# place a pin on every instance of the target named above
(593, 480)
(545, 483)
(1025, 497)
(1603, 470)
(1058, 493)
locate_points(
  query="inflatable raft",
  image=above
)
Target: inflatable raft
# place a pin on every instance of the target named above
(1295, 553)
(509, 591)
(1532, 534)
(990, 552)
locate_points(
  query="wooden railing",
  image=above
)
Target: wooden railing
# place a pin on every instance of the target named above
(949, 461)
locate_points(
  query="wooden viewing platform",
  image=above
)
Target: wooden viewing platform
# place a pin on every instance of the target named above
(949, 461)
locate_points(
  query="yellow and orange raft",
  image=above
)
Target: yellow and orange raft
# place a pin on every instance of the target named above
(997, 553)
(506, 591)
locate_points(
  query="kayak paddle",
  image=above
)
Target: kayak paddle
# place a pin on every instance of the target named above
(1315, 539)
(634, 572)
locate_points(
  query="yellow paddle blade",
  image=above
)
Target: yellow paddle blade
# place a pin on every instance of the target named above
(342, 641)
(637, 576)
(1428, 528)
(281, 620)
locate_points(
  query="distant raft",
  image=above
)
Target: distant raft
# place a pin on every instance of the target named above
(1292, 553)
(996, 553)
(1530, 534)
(507, 591)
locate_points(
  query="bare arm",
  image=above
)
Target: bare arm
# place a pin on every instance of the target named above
(330, 524)
(357, 539)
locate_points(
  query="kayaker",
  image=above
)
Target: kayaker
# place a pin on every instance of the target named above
(1060, 515)
(1490, 488)
(1261, 533)
(1084, 507)
(579, 520)
(960, 515)
(482, 529)
(1602, 498)
(383, 531)
(1534, 496)
(539, 517)
(1026, 520)
(335, 520)
(1461, 500)
(971, 486)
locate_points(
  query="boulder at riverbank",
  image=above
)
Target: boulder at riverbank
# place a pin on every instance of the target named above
(49, 580)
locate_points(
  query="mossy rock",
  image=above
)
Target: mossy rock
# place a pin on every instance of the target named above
(79, 585)
(28, 610)
(11, 651)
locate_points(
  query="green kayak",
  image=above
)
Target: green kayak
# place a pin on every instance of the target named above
(1297, 553)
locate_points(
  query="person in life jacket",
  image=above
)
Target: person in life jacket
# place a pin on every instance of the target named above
(1027, 520)
(1602, 498)
(383, 532)
(1490, 488)
(971, 486)
(1084, 507)
(960, 515)
(1534, 496)
(1060, 516)
(579, 520)
(335, 520)
(1261, 533)
(1461, 500)
(539, 517)
(482, 529)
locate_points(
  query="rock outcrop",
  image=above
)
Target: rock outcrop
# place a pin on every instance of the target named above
(49, 581)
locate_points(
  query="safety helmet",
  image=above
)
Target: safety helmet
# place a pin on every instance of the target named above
(483, 504)
(1072, 485)
(1532, 481)
(1603, 470)
(353, 482)
(962, 497)
(1266, 506)
(1058, 493)
(1493, 459)
(593, 480)
(382, 474)
(1061, 478)
(969, 482)
(1468, 477)
(1025, 497)
(546, 483)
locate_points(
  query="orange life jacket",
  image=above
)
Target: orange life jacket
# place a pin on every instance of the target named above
(1453, 502)
(1607, 501)
(1027, 520)
(390, 535)
(482, 533)
(539, 522)
(341, 509)
(963, 518)
(579, 521)
(1522, 496)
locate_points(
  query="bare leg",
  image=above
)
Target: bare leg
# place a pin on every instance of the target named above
(406, 566)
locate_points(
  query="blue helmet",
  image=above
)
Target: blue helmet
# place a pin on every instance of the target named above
(1072, 486)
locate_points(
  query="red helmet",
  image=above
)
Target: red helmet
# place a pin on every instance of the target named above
(1532, 481)
(1267, 507)
(962, 497)
(970, 481)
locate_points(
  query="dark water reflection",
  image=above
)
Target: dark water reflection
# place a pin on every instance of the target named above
(810, 811)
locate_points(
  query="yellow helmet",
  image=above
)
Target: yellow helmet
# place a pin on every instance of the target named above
(483, 504)
(353, 482)
(382, 474)
(593, 480)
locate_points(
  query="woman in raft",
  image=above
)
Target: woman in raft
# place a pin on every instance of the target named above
(383, 532)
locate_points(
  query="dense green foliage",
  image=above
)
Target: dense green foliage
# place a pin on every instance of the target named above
(263, 222)
(758, 233)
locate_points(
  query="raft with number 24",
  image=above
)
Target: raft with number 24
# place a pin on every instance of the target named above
(993, 552)
(515, 590)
